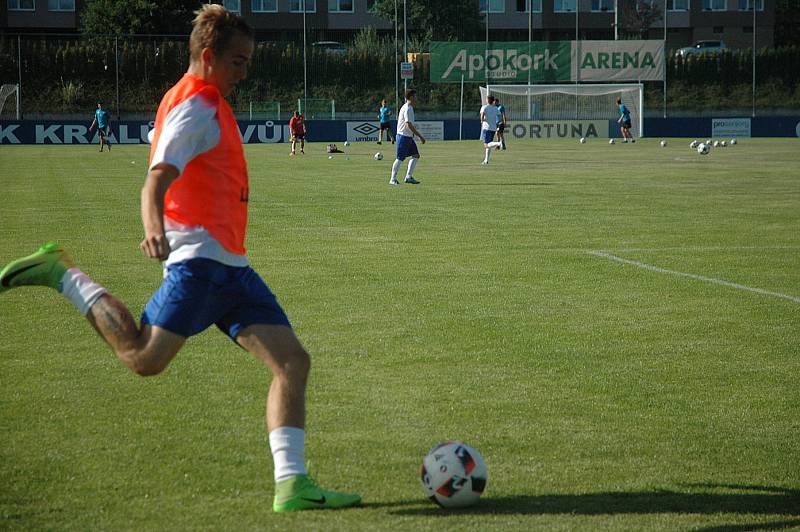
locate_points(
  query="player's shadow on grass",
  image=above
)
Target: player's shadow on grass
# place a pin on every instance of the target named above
(743, 499)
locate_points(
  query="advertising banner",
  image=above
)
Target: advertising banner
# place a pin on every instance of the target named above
(618, 60)
(506, 62)
(558, 129)
(730, 127)
(367, 131)
(547, 62)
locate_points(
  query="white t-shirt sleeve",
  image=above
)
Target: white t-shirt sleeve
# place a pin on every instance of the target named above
(410, 114)
(190, 128)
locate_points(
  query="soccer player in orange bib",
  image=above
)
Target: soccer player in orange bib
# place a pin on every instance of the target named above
(194, 212)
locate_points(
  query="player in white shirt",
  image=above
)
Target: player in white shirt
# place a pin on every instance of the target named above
(406, 147)
(489, 118)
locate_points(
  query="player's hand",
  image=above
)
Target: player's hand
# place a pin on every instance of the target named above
(422, 140)
(155, 246)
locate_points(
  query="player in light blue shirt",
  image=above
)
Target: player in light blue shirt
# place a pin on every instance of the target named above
(501, 122)
(102, 120)
(383, 115)
(625, 121)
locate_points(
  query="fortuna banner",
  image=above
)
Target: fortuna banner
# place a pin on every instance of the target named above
(547, 62)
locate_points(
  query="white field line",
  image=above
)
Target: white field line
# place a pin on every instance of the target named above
(712, 280)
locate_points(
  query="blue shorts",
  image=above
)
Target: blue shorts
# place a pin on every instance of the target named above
(406, 147)
(200, 292)
(487, 135)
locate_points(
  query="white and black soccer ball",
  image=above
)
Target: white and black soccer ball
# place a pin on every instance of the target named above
(733, 142)
(378, 156)
(346, 143)
(583, 140)
(453, 475)
(611, 141)
(703, 149)
(663, 143)
(716, 144)
(723, 144)
(694, 144)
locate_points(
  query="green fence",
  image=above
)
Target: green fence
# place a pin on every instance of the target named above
(68, 75)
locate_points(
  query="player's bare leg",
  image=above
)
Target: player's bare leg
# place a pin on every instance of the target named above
(280, 350)
(145, 351)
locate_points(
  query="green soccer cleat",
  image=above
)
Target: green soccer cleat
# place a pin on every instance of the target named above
(46, 267)
(302, 493)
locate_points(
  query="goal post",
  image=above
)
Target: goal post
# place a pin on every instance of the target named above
(9, 92)
(570, 102)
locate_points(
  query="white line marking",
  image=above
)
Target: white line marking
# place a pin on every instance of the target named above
(712, 280)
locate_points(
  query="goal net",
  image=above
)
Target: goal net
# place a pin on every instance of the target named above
(264, 110)
(570, 102)
(317, 108)
(9, 101)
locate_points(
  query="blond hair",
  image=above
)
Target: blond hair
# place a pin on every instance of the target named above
(214, 27)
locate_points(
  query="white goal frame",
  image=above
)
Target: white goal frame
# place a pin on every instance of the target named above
(576, 90)
(7, 90)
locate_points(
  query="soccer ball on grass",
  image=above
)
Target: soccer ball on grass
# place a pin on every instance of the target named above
(346, 143)
(583, 140)
(378, 156)
(733, 142)
(663, 143)
(453, 475)
(611, 141)
(703, 149)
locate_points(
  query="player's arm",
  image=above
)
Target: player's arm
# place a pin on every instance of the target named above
(94, 123)
(159, 178)
(416, 132)
(503, 116)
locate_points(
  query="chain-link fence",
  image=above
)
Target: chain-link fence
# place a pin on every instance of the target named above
(65, 76)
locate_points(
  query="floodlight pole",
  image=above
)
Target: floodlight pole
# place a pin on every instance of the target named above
(616, 19)
(666, 61)
(19, 73)
(405, 42)
(754, 56)
(116, 68)
(396, 66)
(486, 49)
(577, 61)
(305, 62)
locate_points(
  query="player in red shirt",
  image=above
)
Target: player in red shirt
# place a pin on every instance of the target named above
(297, 125)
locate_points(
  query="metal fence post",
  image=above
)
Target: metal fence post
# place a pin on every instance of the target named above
(116, 68)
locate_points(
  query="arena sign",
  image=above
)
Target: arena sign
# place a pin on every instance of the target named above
(618, 60)
(547, 62)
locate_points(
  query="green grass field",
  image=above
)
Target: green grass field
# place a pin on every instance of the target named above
(603, 395)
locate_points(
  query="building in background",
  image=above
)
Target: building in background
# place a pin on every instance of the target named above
(688, 21)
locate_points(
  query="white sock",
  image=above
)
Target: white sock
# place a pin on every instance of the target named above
(82, 291)
(411, 164)
(495, 144)
(488, 154)
(395, 168)
(288, 450)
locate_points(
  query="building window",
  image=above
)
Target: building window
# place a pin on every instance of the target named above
(296, 6)
(22, 5)
(719, 30)
(747, 5)
(340, 6)
(523, 6)
(678, 5)
(604, 5)
(564, 6)
(494, 6)
(264, 6)
(747, 29)
(232, 5)
(714, 5)
(61, 5)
